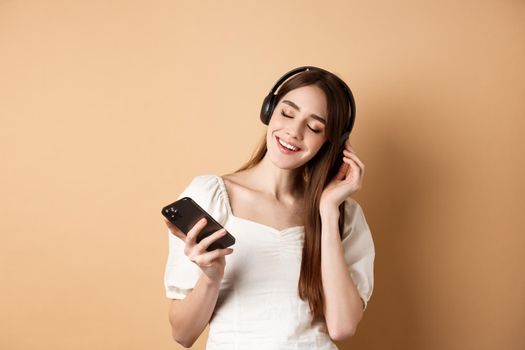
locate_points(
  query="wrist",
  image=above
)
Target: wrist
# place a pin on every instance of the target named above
(210, 282)
(329, 213)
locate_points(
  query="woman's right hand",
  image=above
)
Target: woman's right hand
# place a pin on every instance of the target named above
(211, 263)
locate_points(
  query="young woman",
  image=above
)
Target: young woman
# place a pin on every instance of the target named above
(300, 274)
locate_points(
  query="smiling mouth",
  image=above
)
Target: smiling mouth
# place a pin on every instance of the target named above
(286, 147)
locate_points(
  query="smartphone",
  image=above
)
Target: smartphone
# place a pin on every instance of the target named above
(185, 213)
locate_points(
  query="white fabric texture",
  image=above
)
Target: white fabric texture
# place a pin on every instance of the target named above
(258, 306)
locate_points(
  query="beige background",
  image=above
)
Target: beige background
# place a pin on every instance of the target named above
(109, 108)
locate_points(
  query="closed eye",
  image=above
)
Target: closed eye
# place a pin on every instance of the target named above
(285, 115)
(309, 127)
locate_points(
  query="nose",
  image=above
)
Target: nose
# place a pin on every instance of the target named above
(295, 129)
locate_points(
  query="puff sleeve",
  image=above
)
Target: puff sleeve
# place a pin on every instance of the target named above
(359, 250)
(181, 274)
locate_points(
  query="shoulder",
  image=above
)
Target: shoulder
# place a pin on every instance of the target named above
(204, 180)
(203, 189)
(201, 185)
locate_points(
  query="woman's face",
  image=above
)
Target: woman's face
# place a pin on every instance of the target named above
(297, 128)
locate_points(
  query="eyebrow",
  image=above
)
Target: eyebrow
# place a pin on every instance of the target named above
(315, 116)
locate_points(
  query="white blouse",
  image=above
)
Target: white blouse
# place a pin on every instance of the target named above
(258, 306)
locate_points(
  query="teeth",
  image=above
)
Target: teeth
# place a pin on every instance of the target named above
(287, 145)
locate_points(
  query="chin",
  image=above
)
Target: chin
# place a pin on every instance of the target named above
(286, 166)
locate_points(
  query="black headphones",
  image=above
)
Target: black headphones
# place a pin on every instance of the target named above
(270, 100)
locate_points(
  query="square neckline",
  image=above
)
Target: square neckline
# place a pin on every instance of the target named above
(224, 191)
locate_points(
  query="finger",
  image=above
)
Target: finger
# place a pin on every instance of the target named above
(191, 237)
(353, 163)
(205, 242)
(356, 173)
(353, 167)
(206, 259)
(348, 152)
(357, 160)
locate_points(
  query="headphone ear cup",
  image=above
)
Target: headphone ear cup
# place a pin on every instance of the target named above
(267, 108)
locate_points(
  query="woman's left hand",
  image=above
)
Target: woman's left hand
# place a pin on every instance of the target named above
(347, 181)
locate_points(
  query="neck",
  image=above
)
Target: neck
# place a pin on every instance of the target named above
(283, 184)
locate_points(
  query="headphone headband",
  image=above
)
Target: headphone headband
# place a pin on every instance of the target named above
(270, 100)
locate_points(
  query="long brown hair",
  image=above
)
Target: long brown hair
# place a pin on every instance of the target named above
(315, 176)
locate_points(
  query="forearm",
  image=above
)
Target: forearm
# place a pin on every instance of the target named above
(343, 305)
(190, 316)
